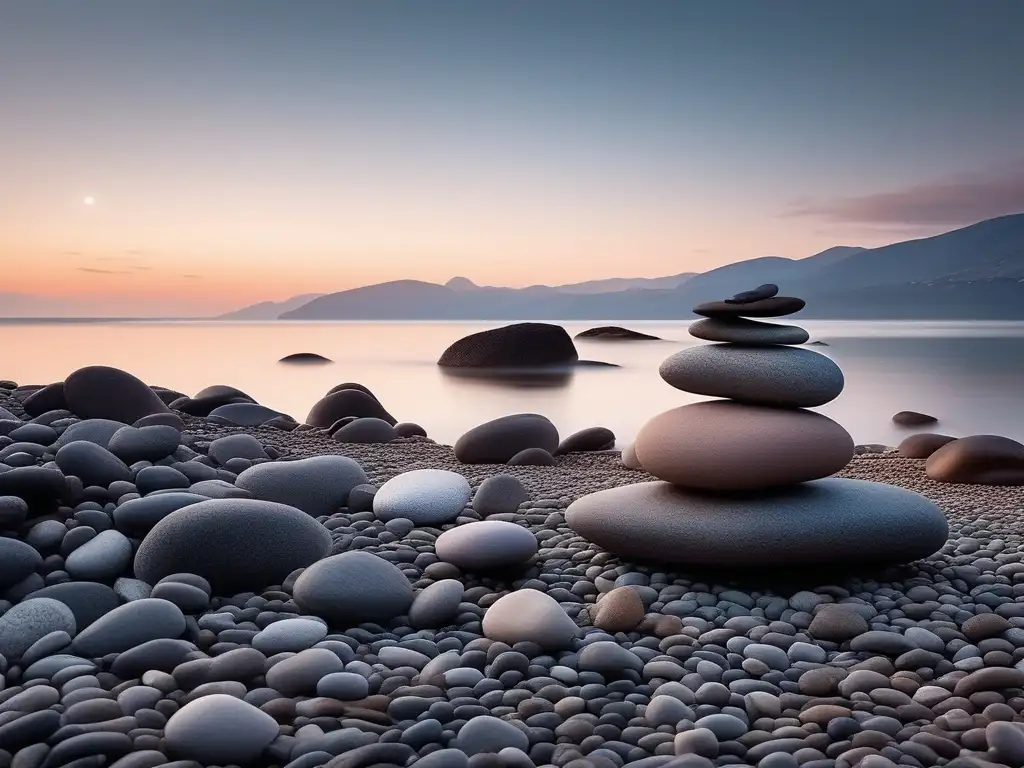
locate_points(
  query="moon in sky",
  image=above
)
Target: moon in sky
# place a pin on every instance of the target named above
(90, 200)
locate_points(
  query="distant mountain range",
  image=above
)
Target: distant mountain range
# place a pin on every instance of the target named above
(976, 272)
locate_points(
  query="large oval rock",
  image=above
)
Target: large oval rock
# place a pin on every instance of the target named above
(235, 544)
(31, 620)
(486, 545)
(136, 517)
(132, 444)
(88, 600)
(45, 399)
(102, 558)
(17, 560)
(101, 392)
(499, 495)
(722, 445)
(346, 402)
(130, 625)
(589, 439)
(318, 485)
(824, 522)
(784, 377)
(425, 496)
(437, 605)
(498, 440)
(529, 616)
(365, 430)
(93, 464)
(775, 306)
(98, 431)
(219, 729)
(978, 460)
(353, 587)
(740, 331)
(521, 345)
(922, 445)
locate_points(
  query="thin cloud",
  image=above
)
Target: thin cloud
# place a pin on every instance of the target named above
(955, 201)
(97, 271)
(191, 277)
(141, 267)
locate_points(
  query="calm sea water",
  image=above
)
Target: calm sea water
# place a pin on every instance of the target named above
(970, 375)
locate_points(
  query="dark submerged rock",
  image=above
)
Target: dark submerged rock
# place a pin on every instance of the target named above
(512, 346)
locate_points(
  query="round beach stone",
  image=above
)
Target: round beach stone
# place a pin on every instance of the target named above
(136, 517)
(353, 587)
(922, 445)
(92, 463)
(343, 686)
(235, 544)
(289, 635)
(298, 675)
(486, 545)
(532, 457)
(783, 377)
(824, 522)
(437, 605)
(130, 625)
(425, 496)
(529, 616)
(490, 734)
(98, 431)
(30, 620)
(520, 345)
(132, 444)
(740, 331)
(102, 558)
(499, 495)
(87, 600)
(101, 392)
(318, 485)
(223, 449)
(498, 440)
(245, 414)
(629, 458)
(589, 439)
(366, 430)
(346, 402)
(775, 306)
(620, 610)
(913, 419)
(13, 511)
(17, 560)
(219, 729)
(723, 445)
(978, 460)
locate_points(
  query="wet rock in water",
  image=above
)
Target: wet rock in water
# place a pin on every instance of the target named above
(521, 345)
(366, 430)
(922, 445)
(499, 495)
(235, 544)
(305, 358)
(353, 587)
(979, 460)
(532, 457)
(777, 306)
(782, 377)
(615, 333)
(219, 729)
(823, 522)
(913, 419)
(425, 496)
(529, 616)
(724, 445)
(31, 620)
(766, 291)
(497, 441)
(101, 392)
(486, 545)
(347, 402)
(245, 414)
(590, 439)
(318, 485)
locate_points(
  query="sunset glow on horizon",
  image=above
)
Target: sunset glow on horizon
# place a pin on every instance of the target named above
(191, 158)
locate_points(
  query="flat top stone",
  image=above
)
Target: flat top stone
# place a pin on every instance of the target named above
(741, 331)
(777, 306)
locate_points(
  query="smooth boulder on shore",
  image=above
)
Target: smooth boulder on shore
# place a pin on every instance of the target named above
(101, 392)
(498, 440)
(346, 402)
(818, 523)
(922, 445)
(318, 485)
(219, 729)
(521, 345)
(589, 439)
(486, 545)
(353, 587)
(425, 496)
(978, 460)
(781, 377)
(499, 495)
(529, 616)
(245, 414)
(235, 544)
(723, 445)
(365, 430)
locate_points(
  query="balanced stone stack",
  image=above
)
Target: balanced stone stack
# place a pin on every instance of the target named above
(744, 479)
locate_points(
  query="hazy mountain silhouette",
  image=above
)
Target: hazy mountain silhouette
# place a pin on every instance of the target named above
(973, 272)
(269, 310)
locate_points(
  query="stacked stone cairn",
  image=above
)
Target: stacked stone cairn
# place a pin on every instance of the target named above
(744, 479)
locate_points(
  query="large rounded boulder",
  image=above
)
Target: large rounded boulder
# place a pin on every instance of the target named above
(497, 441)
(235, 544)
(318, 485)
(347, 402)
(522, 345)
(101, 392)
(353, 587)
(978, 460)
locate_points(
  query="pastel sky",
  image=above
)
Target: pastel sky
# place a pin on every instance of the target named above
(243, 150)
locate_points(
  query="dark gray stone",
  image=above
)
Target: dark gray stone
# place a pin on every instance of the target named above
(353, 587)
(219, 730)
(130, 625)
(318, 486)
(486, 545)
(499, 495)
(497, 441)
(101, 392)
(137, 516)
(751, 332)
(131, 444)
(31, 620)
(92, 463)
